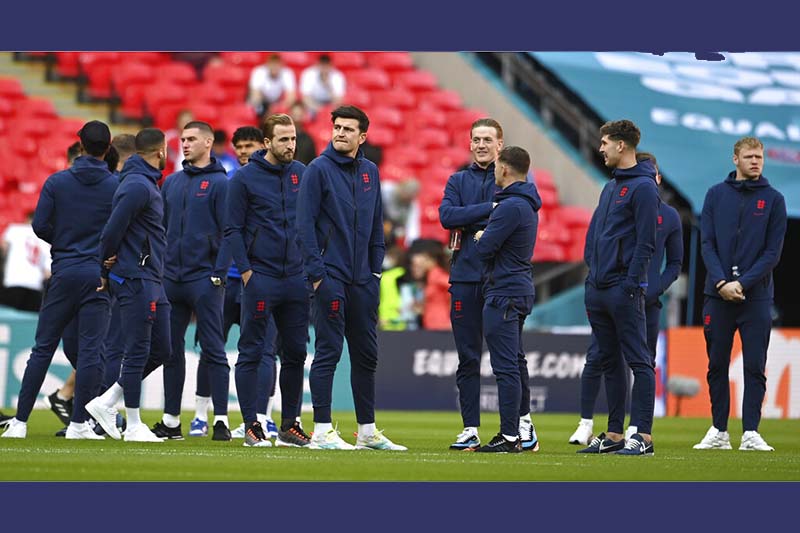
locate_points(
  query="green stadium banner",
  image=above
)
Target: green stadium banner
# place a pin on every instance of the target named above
(691, 112)
(17, 331)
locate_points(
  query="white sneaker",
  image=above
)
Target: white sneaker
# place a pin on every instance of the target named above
(238, 433)
(714, 440)
(82, 431)
(528, 437)
(467, 440)
(141, 433)
(105, 416)
(583, 434)
(752, 441)
(630, 432)
(16, 430)
(377, 441)
(330, 440)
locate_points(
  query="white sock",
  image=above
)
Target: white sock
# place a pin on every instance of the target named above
(511, 438)
(58, 395)
(133, 416)
(201, 404)
(16, 422)
(270, 403)
(171, 421)
(224, 419)
(526, 418)
(262, 418)
(471, 429)
(320, 428)
(587, 421)
(77, 426)
(365, 431)
(112, 396)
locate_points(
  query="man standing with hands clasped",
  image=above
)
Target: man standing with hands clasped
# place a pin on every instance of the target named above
(505, 248)
(742, 227)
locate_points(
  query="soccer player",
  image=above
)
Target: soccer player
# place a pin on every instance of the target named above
(742, 226)
(194, 270)
(505, 248)
(619, 245)
(74, 235)
(340, 225)
(134, 235)
(262, 235)
(669, 244)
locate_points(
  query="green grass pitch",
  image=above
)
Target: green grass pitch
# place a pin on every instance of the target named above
(43, 457)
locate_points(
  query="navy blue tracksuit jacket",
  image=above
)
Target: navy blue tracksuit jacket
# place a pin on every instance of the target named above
(73, 206)
(506, 249)
(742, 226)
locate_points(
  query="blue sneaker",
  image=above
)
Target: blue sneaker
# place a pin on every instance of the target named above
(637, 446)
(198, 428)
(600, 444)
(527, 434)
(467, 440)
(272, 429)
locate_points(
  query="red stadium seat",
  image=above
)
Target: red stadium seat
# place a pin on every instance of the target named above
(247, 60)
(177, 73)
(369, 78)
(167, 115)
(35, 127)
(6, 107)
(416, 80)
(442, 99)
(11, 89)
(431, 138)
(388, 117)
(390, 61)
(205, 112)
(358, 97)
(547, 252)
(127, 73)
(391, 172)
(405, 156)
(225, 74)
(67, 64)
(346, 61)
(399, 98)
(381, 136)
(553, 232)
(573, 216)
(241, 114)
(149, 58)
(297, 61)
(321, 134)
(162, 94)
(22, 146)
(461, 120)
(210, 93)
(549, 197)
(430, 118)
(133, 100)
(450, 156)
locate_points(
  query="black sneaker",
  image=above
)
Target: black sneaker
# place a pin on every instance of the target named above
(221, 431)
(254, 436)
(61, 408)
(5, 420)
(293, 437)
(62, 432)
(161, 430)
(600, 444)
(499, 444)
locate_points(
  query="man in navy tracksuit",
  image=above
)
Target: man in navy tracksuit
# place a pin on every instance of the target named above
(469, 198)
(620, 243)
(194, 273)
(742, 227)
(340, 225)
(73, 206)
(506, 249)
(261, 233)
(134, 235)
(669, 244)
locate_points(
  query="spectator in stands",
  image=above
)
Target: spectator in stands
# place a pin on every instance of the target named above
(74, 235)
(742, 228)
(344, 261)
(198, 60)
(219, 151)
(669, 244)
(321, 85)
(135, 236)
(401, 210)
(394, 272)
(427, 262)
(271, 83)
(619, 246)
(505, 248)
(173, 136)
(27, 266)
(306, 150)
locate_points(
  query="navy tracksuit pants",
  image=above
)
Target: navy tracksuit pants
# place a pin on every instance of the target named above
(205, 300)
(231, 314)
(70, 294)
(615, 372)
(112, 349)
(340, 311)
(619, 325)
(466, 317)
(144, 315)
(285, 300)
(504, 317)
(721, 319)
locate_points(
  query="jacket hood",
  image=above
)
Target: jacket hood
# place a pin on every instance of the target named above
(338, 158)
(89, 170)
(523, 190)
(136, 165)
(214, 166)
(259, 159)
(642, 169)
(746, 185)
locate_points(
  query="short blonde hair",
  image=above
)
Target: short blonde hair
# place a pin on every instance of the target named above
(747, 142)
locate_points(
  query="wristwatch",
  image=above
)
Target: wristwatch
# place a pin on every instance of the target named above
(216, 281)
